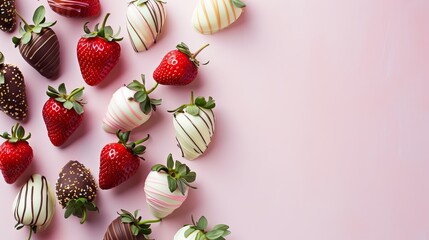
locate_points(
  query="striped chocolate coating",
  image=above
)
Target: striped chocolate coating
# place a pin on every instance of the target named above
(194, 133)
(144, 23)
(75, 181)
(34, 205)
(43, 52)
(7, 15)
(13, 98)
(120, 231)
(211, 16)
(76, 8)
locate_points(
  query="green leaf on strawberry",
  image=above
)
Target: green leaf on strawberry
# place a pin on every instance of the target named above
(134, 147)
(238, 3)
(137, 226)
(217, 233)
(142, 95)
(192, 56)
(193, 108)
(105, 32)
(79, 207)
(39, 23)
(17, 134)
(69, 101)
(179, 174)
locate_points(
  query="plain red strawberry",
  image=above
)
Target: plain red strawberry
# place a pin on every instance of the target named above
(119, 161)
(62, 113)
(98, 53)
(15, 154)
(178, 67)
(76, 8)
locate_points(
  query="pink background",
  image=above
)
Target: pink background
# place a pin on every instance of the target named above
(322, 122)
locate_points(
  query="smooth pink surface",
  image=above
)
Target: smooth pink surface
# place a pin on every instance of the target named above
(322, 122)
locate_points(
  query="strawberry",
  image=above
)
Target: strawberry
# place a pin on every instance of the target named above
(76, 190)
(98, 53)
(7, 17)
(195, 125)
(62, 113)
(120, 161)
(130, 107)
(13, 98)
(38, 44)
(15, 154)
(129, 227)
(166, 187)
(198, 231)
(178, 67)
(76, 8)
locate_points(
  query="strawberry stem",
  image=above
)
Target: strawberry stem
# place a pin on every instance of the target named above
(192, 98)
(101, 32)
(82, 221)
(199, 50)
(149, 221)
(142, 140)
(74, 93)
(22, 19)
(152, 89)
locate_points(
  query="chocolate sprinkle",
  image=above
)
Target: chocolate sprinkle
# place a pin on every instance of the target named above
(7, 15)
(13, 99)
(75, 181)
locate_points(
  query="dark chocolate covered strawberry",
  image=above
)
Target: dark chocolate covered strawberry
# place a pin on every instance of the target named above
(38, 44)
(76, 190)
(13, 99)
(129, 227)
(7, 15)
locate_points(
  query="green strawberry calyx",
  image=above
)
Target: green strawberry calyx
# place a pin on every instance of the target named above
(134, 147)
(105, 32)
(182, 47)
(17, 134)
(69, 101)
(26, 31)
(142, 95)
(142, 2)
(2, 80)
(238, 3)
(179, 174)
(79, 207)
(137, 225)
(219, 232)
(195, 105)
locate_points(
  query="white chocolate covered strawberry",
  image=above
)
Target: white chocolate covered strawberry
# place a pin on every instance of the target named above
(166, 187)
(130, 107)
(145, 20)
(34, 206)
(198, 231)
(211, 16)
(194, 124)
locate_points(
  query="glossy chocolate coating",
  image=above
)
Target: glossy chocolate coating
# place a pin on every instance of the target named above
(7, 15)
(13, 99)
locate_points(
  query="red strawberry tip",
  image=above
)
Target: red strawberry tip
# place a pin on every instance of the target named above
(182, 47)
(69, 101)
(134, 147)
(105, 32)
(17, 134)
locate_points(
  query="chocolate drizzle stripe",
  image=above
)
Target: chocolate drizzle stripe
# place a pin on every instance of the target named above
(188, 136)
(205, 122)
(18, 202)
(196, 128)
(227, 11)
(44, 181)
(32, 205)
(203, 5)
(41, 202)
(152, 13)
(135, 30)
(211, 119)
(40, 47)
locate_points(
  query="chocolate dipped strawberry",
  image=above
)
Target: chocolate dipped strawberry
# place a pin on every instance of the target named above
(62, 113)
(130, 107)
(34, 206)
(76, 190)
(145, 20)
(178, 67)
(38, 44)
(76, 8)
(98, 52)
(197, 231)
(166, 187)
(7, 15)
(194, 124)
(120, 161)
(13, 98)
(15, 154)
(129, 227)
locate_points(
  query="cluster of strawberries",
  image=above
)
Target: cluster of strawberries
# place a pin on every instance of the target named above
(98, 52)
